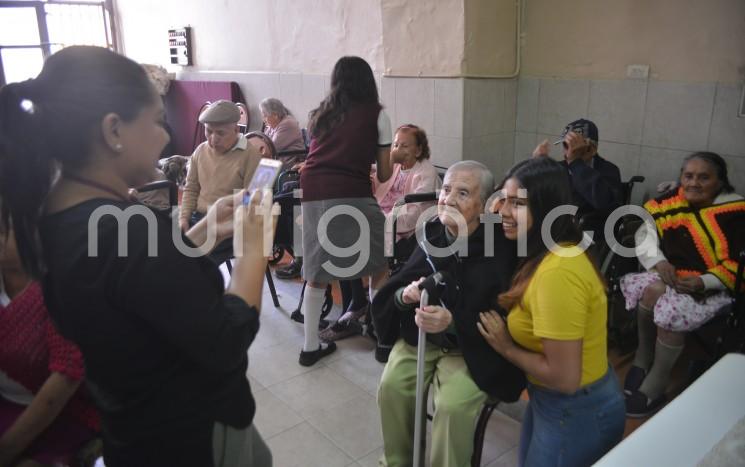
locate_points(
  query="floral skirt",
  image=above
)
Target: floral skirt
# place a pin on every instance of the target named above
(673, 311)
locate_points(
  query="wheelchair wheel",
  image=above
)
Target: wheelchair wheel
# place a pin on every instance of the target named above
(277, 253)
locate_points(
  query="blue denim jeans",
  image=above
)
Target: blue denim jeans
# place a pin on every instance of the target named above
(572, 430)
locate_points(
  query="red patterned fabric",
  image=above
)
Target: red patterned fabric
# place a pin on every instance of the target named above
(32, 349)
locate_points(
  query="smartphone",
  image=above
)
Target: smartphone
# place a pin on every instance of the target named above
(266, 173)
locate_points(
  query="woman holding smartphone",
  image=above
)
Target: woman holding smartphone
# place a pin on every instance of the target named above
(164, 343)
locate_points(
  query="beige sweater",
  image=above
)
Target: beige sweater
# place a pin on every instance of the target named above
(212, 175)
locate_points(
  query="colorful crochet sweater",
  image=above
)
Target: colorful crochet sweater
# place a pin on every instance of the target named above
(704, 241)
(31, 349)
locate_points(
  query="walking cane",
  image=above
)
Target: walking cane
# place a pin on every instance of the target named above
(431, 286)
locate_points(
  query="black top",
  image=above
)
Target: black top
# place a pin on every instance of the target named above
(165, 348)
(596, 189)
(480, 277)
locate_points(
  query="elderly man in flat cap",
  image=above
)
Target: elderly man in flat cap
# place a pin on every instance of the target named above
(223, 163)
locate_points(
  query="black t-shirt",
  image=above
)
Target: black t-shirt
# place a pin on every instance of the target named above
(165, 348)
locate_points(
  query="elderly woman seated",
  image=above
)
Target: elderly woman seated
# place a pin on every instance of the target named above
(460, 364)
(281, 126)
(689, 254)
(45, 414)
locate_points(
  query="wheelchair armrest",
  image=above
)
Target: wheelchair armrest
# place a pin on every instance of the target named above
(419, 197)
(636, 179)
(159, 185)
(294, 152)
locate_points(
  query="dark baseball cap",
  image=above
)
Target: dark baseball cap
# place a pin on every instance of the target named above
(582, 127)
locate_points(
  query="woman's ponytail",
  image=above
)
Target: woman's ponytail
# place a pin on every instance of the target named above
(26, 168)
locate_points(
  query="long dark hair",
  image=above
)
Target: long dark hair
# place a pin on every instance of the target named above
(352, 82)
(50, 122)
(717, 162)
(547, 185)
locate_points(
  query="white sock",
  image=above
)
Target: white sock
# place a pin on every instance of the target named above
(311, 309)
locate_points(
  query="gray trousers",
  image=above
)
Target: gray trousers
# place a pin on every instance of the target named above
(239, 448)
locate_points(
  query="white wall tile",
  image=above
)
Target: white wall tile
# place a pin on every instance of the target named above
(255, 87)
(560, 102)
(388, 97)
(314, 90)
(415, 102)
(291, 95)
(617, 108)
(483, 149)
(445, 151)
(659, 165)
(678, 115)
(484, 107)
(505, 155)
(736, 172)
(524, 145)
(625, 156)
(555, 151)
(727, 134)
(527, 104)
(448, 110)
(510, 105)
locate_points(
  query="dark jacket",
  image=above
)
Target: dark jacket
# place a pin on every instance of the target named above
(165, 347)
(596, 190)
(479, 280)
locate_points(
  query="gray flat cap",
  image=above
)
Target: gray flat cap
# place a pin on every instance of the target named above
(221, 111)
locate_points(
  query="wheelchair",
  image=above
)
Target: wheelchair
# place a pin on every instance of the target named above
(621, 324)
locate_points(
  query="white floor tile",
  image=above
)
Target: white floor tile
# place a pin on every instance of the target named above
(354, 426)
(304, 446)
(272, 415)
(311, 393)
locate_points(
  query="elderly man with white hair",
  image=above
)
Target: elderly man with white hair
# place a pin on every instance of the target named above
(461, 365)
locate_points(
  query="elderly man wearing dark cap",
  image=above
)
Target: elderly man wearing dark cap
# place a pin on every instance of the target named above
(596, 182)
(223, 163)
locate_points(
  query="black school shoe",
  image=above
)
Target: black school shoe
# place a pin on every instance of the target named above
(291, 271)
(299, 318)
(311, 357)
(639, 406)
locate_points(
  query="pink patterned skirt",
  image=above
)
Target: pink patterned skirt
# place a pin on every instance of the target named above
(673, 311)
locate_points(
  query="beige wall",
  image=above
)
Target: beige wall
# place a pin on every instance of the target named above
(423, 37)
(256, 35)
(490, 37)
(681, 40)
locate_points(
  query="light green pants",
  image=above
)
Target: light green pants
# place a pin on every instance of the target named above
(457, 402)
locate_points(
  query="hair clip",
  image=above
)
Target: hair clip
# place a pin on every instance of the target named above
(28, 106)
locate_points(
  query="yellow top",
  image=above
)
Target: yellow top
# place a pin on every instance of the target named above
(565, 300)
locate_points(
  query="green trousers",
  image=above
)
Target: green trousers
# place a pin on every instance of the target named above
(457, 402)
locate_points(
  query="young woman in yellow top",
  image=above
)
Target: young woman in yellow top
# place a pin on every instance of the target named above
(556, 327)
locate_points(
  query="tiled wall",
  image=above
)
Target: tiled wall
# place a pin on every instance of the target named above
(464, 118)
(646, 127)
